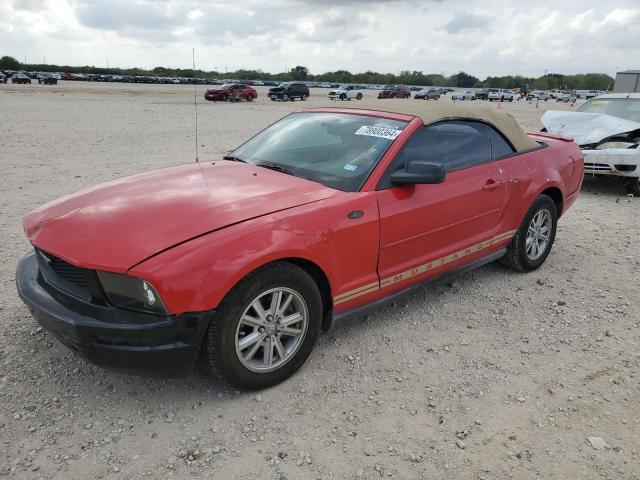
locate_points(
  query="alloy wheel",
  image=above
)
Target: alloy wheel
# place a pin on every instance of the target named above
(539, 234)
(271, 329)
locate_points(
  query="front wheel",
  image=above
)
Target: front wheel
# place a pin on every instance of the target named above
(265, 328)
(303, 97)
(632, 186)
(359, 96)
(535, 236)
(343, 96)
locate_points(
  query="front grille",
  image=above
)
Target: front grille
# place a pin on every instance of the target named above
(597, 166)
(80, 282)
(68, 272)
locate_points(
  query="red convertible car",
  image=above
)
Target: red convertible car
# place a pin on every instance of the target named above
(324, 214)
(230, 91)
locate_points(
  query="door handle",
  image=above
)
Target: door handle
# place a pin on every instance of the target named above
(492, 185)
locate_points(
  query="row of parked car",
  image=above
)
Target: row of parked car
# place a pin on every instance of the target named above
(287, 91)
(44, 78)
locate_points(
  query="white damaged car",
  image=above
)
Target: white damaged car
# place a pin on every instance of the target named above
(607, 128)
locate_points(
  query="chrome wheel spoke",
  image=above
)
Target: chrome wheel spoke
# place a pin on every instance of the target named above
(252, 321)
(257, 307)
(279, 347)
(276, 298)
(267, 356)
(285, 305)
(291, 319)
(249, 356)
(250, 339)
(293, 332)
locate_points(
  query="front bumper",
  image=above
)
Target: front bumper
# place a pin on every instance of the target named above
(213, 96)
(138, 343)
(613, 161)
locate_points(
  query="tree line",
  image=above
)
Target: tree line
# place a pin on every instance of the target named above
(587, 81)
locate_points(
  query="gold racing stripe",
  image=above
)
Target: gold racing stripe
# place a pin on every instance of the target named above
(373, 288)
(355, 290)
(420, 269)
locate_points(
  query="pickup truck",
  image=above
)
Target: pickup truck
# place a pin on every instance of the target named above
(500, 94)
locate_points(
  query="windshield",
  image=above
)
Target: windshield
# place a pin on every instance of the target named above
(627, 108)
(284, 85)
(227, 86)
(335, 149)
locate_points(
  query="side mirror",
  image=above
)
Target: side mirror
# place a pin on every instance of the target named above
(420, 172)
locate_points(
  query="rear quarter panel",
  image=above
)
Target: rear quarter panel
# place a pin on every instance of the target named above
(558, 164)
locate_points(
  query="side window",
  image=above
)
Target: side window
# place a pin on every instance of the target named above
(499, 146)
(456, 144)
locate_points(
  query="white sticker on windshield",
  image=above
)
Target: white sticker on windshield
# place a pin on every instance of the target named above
(349, 167)
(382, 132)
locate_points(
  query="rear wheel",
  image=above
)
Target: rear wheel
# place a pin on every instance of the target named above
(632, 186)
(265, 328)
(533, 240)
(303, 97)
(359, 96)
(250, 98)
(285, 97)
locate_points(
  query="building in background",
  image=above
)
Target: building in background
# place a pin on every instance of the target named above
(627, 82)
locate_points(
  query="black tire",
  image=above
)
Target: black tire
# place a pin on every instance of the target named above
(359, 96)
(516, 257)
(303, 97)
(285, 98)
(632, 186)
(225, 98)
(343, 96)
(250, 98)
(220, 340)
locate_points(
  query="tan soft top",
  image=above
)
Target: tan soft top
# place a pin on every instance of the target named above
(432, 112)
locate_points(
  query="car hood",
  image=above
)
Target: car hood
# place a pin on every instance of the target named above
(276, 89)
(586, 128)
(116, 225)
(215, 90)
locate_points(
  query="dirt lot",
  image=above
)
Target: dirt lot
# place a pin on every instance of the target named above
(518, 369)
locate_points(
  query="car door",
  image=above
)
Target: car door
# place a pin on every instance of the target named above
(424, 227)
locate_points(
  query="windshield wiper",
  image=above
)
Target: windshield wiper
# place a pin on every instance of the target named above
(277, 168)
(233, 159)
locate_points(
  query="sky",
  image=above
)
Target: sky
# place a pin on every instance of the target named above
(488, 37)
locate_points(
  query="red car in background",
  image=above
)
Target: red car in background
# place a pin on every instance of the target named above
(231, 91)
(395, 91)
(324, 214)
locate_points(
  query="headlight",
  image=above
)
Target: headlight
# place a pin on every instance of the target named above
(131, 293)
(607, 145)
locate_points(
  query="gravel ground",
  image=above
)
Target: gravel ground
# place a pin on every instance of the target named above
(495, 375)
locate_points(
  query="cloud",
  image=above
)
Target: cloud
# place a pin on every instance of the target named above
(467, 22)
(358, 35)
